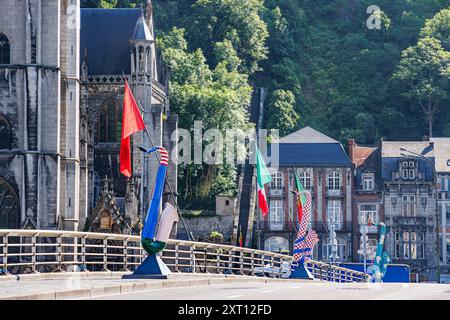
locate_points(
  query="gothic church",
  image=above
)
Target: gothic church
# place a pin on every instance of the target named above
(62, 72)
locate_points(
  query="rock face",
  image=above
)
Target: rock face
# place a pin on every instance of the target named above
(61, 91)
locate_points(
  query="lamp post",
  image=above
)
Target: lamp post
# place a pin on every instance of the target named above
(432, 164)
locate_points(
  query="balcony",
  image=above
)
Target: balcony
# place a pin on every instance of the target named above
(413, 221)
(335, 192)
(339, 227)
(276, 192)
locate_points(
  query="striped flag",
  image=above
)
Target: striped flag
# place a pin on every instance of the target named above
(305, 242)
(263, 177)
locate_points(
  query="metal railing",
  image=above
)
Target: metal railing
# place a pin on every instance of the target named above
(33, 251)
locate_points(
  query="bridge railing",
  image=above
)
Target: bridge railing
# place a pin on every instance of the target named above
(29, 251)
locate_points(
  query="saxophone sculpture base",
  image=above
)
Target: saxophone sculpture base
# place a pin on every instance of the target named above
(301, 272)
(156, 231)
(151, 268)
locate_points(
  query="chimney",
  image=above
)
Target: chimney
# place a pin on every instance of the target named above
(351, 149)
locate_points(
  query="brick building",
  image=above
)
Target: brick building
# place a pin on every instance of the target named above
(326, 171)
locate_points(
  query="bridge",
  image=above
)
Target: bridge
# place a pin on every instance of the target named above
(48, 264)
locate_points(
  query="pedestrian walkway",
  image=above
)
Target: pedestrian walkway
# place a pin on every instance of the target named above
(58, 286)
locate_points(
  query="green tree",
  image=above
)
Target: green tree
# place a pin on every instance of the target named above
(424, 71)
(438, 27)
(218, 97)
(236, 21)
(281, 113)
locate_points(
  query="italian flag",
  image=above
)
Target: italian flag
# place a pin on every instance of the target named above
(301, 199)
(263, 177)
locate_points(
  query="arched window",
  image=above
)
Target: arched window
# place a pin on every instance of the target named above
(110, 122)
(5, 134)
(305, 179)
(9, 207)
(4, 49)
(334, 180)
(276, 244)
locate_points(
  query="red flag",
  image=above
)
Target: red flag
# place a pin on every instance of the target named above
(241, 242)
(131, 123)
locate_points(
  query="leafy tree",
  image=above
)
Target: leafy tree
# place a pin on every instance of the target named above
(235, 21)
(438, 27)
(424, 70)
(281, 113)
(218, 97)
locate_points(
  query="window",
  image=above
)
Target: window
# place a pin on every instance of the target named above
(5, 134)
(447, 215)
(334, 180)
(277, 182)
(9, 207)
(368, 182)
(409, 205)
(412, 174)
(276, 244)
(110, 122)
(276, 220)
(334, 213)
(397, 251)
(412, 245)
(405, 174)
(414, 251)
(305, 179)
(342, 253)
(406, 236)
(367, 212)
(4, 50)
(406, 251)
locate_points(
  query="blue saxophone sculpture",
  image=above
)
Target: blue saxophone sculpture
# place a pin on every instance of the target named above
(377, 271)
(156, 231)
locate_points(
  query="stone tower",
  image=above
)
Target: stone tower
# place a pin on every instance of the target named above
(39, 107)
(143, 74)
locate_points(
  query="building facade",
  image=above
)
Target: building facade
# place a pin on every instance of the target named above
(324, 170)
(62, 72)
(409, 201)
(368, 204)
(442, 156)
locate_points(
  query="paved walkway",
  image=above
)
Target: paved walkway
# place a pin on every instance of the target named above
(110, 286)
(295, 291)
(90, 285)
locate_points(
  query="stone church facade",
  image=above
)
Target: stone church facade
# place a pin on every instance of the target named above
(62, 72)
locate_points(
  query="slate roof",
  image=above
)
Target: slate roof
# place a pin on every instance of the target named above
(106, 34)
(391, 149)
(311, 148)
(391, 154)
(307, 135)
(141, 30)
(442, 153)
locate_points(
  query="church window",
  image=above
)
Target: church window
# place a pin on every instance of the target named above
(4, 49)
(5, 134)
(110, 122)
(9, 207)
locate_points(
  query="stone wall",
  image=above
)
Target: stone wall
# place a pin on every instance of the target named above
(202, 226)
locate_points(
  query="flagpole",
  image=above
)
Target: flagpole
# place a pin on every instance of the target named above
(166, 179)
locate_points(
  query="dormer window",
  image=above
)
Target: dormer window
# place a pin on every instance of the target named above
(408, 170)
(368, 181)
